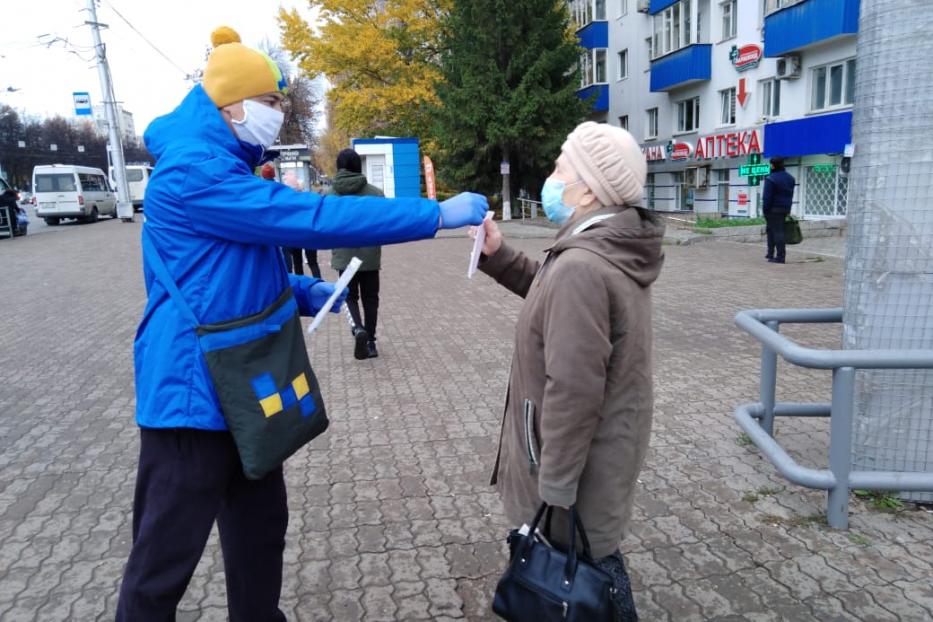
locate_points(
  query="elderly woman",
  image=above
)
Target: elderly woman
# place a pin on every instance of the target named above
(578, 413)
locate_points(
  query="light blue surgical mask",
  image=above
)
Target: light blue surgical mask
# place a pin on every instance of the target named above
(552, 199)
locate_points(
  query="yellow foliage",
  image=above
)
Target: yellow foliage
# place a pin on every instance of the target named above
(380, 55)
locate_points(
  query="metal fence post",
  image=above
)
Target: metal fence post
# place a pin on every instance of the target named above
(840, 446)
(768, 383)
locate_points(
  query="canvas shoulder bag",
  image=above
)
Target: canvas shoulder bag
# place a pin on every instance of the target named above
(261, 374)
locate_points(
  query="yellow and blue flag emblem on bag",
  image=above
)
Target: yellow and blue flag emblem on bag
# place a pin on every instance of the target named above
(273, 401)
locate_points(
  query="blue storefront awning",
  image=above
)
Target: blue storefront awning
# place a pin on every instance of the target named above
(825, 134)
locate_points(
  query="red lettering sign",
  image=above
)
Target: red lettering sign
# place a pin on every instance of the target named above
(743, 199)
(753, 146)
(681, 151)
(732, 145)
(727, 145)
(745, 57)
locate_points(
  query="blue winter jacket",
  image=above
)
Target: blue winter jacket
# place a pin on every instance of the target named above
(218, 228)
(778, 195)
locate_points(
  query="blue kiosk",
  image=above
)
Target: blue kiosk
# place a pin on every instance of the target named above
(392, 164)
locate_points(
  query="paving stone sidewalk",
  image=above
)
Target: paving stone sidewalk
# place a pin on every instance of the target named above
(390, 514)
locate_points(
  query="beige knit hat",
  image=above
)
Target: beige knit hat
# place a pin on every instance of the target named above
(609, 161)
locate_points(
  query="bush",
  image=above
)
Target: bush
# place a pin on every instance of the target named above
(715, 223)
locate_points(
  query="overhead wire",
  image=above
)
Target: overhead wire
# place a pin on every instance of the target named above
(143, 37)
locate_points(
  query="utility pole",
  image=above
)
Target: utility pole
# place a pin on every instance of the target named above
(124, 206)
(505, 170)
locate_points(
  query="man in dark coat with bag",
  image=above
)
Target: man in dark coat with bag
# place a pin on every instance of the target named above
(777, 199)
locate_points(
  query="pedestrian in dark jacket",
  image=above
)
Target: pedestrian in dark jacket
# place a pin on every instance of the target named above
(365, 284)
(213, 232)
(777, 200)
(578, 413)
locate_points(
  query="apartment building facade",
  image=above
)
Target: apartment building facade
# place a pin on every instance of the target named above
(708, 86)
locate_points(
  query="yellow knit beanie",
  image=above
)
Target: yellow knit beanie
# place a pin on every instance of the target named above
(235, 72)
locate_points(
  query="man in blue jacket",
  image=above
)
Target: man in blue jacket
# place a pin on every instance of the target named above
(217, 229)
(777, 199)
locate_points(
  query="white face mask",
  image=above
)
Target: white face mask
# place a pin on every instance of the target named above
(260, 125)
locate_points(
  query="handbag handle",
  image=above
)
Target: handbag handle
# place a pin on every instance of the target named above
(576, 526)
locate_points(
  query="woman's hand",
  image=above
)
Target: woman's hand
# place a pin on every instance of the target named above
(493, 241)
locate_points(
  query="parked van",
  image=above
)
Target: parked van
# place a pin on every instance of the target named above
(68, 191)
(137, 178)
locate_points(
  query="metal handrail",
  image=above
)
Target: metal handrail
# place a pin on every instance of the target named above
(755, 322)
(532, 207)
(757, 420)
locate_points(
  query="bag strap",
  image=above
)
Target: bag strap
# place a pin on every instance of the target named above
(576, 526)
(165, 279)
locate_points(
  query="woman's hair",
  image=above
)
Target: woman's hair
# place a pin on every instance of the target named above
(777, 163)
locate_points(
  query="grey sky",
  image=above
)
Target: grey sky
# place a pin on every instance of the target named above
(147, 84)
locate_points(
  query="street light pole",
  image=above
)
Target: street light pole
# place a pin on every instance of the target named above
(124, 206)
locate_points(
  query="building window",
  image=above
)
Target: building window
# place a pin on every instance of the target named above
(651, 130)
(623, 64)
(776, 5)
(727, 107)
(722, 194)
(771, 98)
(593, 67)
(623, 7)
(623, 122)
(833, 86)
(586, 11)
(672, 29)
(729, 19)
(688, 115)
(649, 191)
(650, 43)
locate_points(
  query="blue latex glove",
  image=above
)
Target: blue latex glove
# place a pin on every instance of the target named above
(321, 291)
(467, 208)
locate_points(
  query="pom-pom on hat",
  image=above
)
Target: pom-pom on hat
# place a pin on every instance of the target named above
(236, 72)
(609, 161)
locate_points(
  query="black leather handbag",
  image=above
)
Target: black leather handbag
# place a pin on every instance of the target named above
(543, 583)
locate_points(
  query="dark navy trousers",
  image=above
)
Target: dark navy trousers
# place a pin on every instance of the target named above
(186, 480)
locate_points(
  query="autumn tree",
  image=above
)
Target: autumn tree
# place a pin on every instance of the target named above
(509, 91)
(381, 57)
(331, 141)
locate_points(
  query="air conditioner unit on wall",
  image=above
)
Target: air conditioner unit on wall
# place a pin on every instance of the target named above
(788, 67)
(643, 6)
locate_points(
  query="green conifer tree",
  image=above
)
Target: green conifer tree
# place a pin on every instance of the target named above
(509, 92)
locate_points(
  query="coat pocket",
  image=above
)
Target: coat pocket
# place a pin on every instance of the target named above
(531, 445)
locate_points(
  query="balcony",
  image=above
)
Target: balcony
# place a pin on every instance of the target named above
(809, 23)
(685, 66)
(594, 35)
(601, 103)
(823, 134)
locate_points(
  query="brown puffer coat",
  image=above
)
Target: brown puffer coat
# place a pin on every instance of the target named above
(578, 413)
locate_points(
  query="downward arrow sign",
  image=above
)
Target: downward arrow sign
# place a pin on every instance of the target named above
(743, 95)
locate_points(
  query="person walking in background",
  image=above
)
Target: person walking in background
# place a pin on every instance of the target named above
(365, 284)
(292, 255)
(776, 200)
(578, 413)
